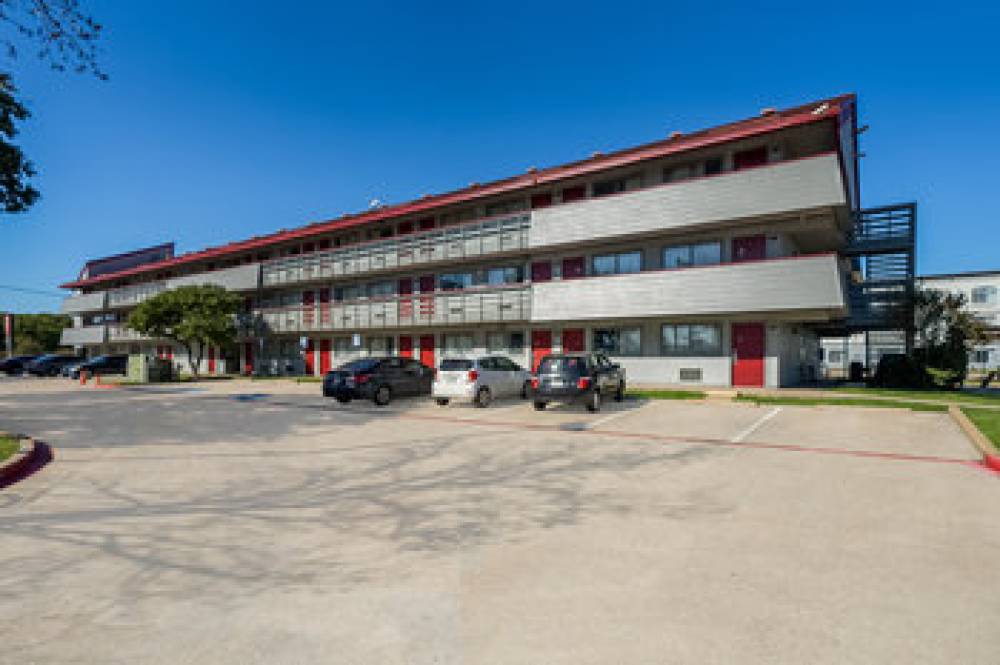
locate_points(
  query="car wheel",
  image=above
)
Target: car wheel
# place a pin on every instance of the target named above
(442, 401)
(382, 396)
(343, 400)
(594, 403)
(540, 406)
(620, 392)
(483, 397)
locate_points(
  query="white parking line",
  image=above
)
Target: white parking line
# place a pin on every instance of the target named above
(612, 416)
(739, 438)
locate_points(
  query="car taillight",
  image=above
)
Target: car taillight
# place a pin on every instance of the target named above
(361, 378)
(534, 383)
(473, 375)
(583, 382)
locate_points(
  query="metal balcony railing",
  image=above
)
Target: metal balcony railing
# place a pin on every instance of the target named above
(487, 236)
(84, 302)
(495, 304)
(127, 296)
(118, 332)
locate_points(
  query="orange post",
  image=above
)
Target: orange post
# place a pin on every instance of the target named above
(83, 377)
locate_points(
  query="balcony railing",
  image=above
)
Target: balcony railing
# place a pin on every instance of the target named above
(120, 333)
(488, 236)
(84, 302)
(129, 296)
(473, 306)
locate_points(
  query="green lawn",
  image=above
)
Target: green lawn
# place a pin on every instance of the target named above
(840, 401)
(665, 394)
(988, 422)
(940, 395)
(8, 446)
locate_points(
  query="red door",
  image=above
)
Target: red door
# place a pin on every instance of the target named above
(750, 158)
(426, 302)
(211, 360)
(310, 357)
(427, 350)
(748, 354)
(541, 346)
(749, 248)
(573, 268)
(324, 356)
(405, 302)
(248, 358)
(541, 200)
(406, 346)
(541, 271)
(572, 340)
(426, 224)
(324, 306)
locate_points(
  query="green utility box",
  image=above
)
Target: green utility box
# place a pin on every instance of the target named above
(148, 369)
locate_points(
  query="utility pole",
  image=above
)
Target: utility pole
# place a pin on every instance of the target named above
(8, 332)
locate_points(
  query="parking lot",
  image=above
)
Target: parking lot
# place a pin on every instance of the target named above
(256, 522)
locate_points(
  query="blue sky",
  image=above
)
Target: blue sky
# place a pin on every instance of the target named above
(218, 124)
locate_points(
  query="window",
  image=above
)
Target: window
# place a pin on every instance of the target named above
(455, 281)
(618, 185)
(502, 342)
(618, 341)
(835, 357)
(505, 207)
(381, 289)
(699, 254)
(984, 295)
(457, 217)
(510, 275)
(380, 346)
(571, 194)
(713, 165)
(678, 173)
(341, 293)
(981, 356)
(613, 264)
(691, 340)
(458, 344)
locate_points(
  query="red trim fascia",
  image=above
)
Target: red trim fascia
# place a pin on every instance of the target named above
(746, 128)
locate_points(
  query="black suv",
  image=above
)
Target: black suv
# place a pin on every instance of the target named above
(15, 364)
(378, 379)
(103, 365)
(583, 377)
(50, 365)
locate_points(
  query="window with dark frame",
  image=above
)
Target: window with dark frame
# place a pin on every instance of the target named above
(680, 340)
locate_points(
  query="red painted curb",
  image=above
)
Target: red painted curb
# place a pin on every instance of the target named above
(992, 462)
(39, 456)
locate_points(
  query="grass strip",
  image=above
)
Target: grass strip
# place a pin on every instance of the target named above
(8, 446)
(988, 422)
(840, 401)
(940, 395)
(665, 394)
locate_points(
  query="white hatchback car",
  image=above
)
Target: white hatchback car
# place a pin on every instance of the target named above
(480, 380)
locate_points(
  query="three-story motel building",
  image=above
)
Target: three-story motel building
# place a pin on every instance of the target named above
(708, 258)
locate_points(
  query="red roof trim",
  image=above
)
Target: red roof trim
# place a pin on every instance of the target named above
(801, 115)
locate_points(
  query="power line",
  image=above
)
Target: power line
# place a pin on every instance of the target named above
(37, 292)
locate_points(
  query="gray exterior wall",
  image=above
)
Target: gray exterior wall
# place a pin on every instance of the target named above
(83, 335)
(238, 278)
(798, 185)
(807, 283)
(84, 302)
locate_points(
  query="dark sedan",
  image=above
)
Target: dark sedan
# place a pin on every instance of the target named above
(587, 378)
(103, 365)
(378, 379)
(15, 365)
(51, 364)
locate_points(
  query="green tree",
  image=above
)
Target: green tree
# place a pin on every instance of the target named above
(945, 334)
(38, 333)
(193, 316)
(60, 34)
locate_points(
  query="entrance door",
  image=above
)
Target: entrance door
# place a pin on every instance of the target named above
(541, 346)
(748, 354)
(324, 356)
(308, 302)
(310, 357)
(248, 358)
(573, 268)
(405, 302)
(541, 271)
(749, 248)
(211, 360)
(427, 350)
(572, 340)
(406, 346)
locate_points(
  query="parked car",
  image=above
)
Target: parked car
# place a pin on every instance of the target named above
(587, 378)
(480, 380)
(70, 369)
(103, 365)
(50, 364)
(378, 379)
(15, 365)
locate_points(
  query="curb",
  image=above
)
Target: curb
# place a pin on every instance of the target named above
(32, 456)
(991, 458)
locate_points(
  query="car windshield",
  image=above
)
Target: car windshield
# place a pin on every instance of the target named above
(455, 364)
(360, 365)
(45, 358)
(564, 365)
